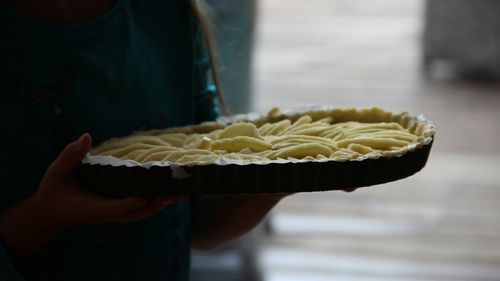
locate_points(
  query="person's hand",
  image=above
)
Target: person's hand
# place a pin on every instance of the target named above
(60, 195)
(60, 202)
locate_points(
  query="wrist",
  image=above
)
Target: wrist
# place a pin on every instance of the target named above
(47, 213)
(27, 226)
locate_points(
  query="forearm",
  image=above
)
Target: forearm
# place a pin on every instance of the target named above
(220, 219)
(26, 227)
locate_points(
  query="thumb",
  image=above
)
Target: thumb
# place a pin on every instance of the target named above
(69, 159)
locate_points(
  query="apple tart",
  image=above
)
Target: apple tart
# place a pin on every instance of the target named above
(279, 152)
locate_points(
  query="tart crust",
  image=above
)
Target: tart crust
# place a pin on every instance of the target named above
(315, 165)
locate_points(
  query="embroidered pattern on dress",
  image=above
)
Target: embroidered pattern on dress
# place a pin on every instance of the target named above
(45, 105)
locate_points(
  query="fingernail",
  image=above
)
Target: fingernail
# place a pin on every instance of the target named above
(166, 203)
(81, 141)
(79, 144)
(81, 138)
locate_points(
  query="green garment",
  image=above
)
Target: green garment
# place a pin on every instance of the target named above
(138, 67)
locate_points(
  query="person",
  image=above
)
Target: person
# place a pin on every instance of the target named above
(75, 73)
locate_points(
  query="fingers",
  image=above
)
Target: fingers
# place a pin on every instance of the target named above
(107, 210)
(126, 210)
(69, 159)
(153, 207)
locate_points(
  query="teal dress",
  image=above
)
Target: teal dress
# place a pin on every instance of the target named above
(140, 66)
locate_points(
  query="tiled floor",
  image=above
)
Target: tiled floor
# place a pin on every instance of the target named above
(441, 224)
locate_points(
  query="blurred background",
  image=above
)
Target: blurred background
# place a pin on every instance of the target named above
(437, 57)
